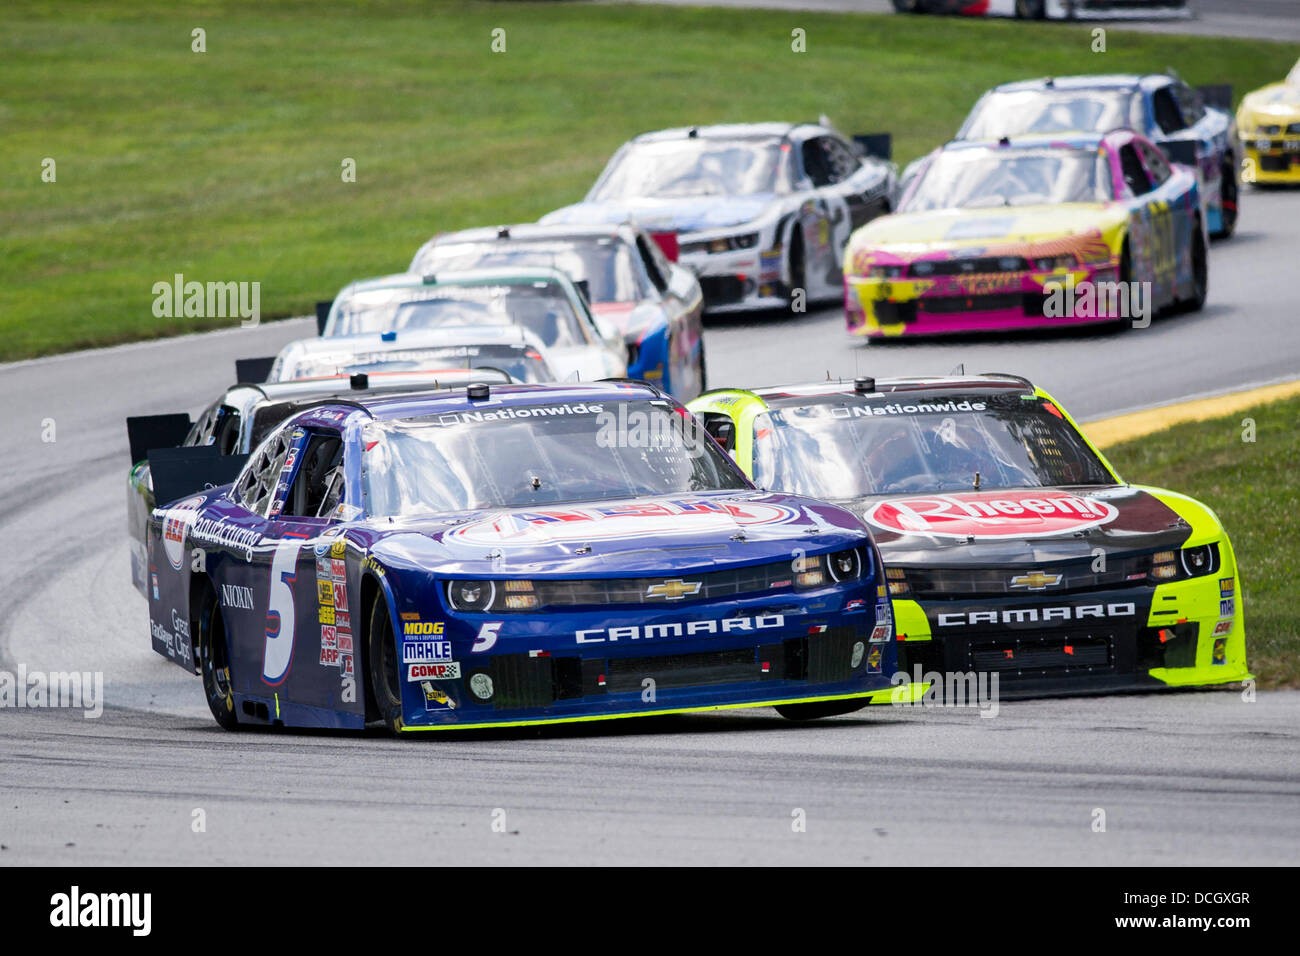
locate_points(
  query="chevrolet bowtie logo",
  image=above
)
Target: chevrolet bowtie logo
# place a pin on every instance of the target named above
(673, 590)
(1035, 581)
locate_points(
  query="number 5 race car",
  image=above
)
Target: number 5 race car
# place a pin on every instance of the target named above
(1036, 231)
(1010, 544)
(513, 555)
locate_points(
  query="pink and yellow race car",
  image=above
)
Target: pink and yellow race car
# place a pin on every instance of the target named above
(1033, 231)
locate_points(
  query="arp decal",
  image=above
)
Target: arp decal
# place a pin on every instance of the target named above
(628, 522)
(175, 526)
(994, 514)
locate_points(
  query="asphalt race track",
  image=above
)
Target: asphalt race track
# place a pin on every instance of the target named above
(1183, 778)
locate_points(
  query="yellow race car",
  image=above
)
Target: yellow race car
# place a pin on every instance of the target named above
(1268, 122)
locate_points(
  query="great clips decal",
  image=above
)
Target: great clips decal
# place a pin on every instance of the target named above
(627, 522)
(991, 514)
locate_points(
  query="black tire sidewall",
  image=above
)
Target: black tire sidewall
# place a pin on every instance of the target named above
(379, 631)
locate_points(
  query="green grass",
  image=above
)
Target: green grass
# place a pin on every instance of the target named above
(225, 166)
(1255, 490)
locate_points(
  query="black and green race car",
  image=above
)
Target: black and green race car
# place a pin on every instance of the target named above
(1010, 544)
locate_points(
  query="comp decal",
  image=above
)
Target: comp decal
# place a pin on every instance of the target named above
(622, 523)
(994, 514)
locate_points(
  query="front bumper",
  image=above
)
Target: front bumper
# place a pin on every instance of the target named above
(1177, 638)
(951, 305)
(562, 667)
(1280, 163)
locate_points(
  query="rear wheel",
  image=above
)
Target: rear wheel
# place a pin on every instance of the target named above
(1200, 274)
(1124, 322)
(701, 370)
(825, 708)
(214, 661)
(798, 282)
(384, 669)
(1227, 200)
(1031, 9)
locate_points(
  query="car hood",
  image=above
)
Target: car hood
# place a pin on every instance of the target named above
(686, 214)
(618, 537)
(922, 232)
(1278, 103)
(1020, 526)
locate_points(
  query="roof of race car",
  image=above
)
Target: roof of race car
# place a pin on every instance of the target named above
(1072, 140)
(1101, 81)
(340, 386)
(523, 232)
(391, 407)
(497, 275)
(723, 131)
(777, 395)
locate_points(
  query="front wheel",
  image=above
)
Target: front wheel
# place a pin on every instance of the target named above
(820, 709)
(214, 662)
(385, 671)
(1031, 9)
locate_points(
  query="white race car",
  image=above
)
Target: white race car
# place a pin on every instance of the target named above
(578, 345)
(760, 210)
(506, 348)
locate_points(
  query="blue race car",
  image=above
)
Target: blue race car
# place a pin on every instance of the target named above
(1194, 127)
(508, 555)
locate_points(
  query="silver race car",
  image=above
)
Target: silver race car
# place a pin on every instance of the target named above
(543, 301)
(759, 210)
(628, 279)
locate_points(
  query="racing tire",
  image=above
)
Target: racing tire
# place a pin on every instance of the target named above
(1200, 275)
(1031, 9)
(820, 709)
(1228, 196)
(384, 671)
(1123, 323)
(910, 6)
(214, 661)
(798, 271)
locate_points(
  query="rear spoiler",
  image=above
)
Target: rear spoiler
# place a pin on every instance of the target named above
(323, 315)
(179, 472)
(879, 145)
(146, 432)
(1218, 95)
(254, 371)
(667, 242)
(1182, 151)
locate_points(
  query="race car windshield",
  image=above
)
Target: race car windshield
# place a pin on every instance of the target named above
(1035, 111)
(522, 456)
(999, 177)
(603, 261)
(695, 167)
(521, 363)
(542, 307)
(900, 446)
